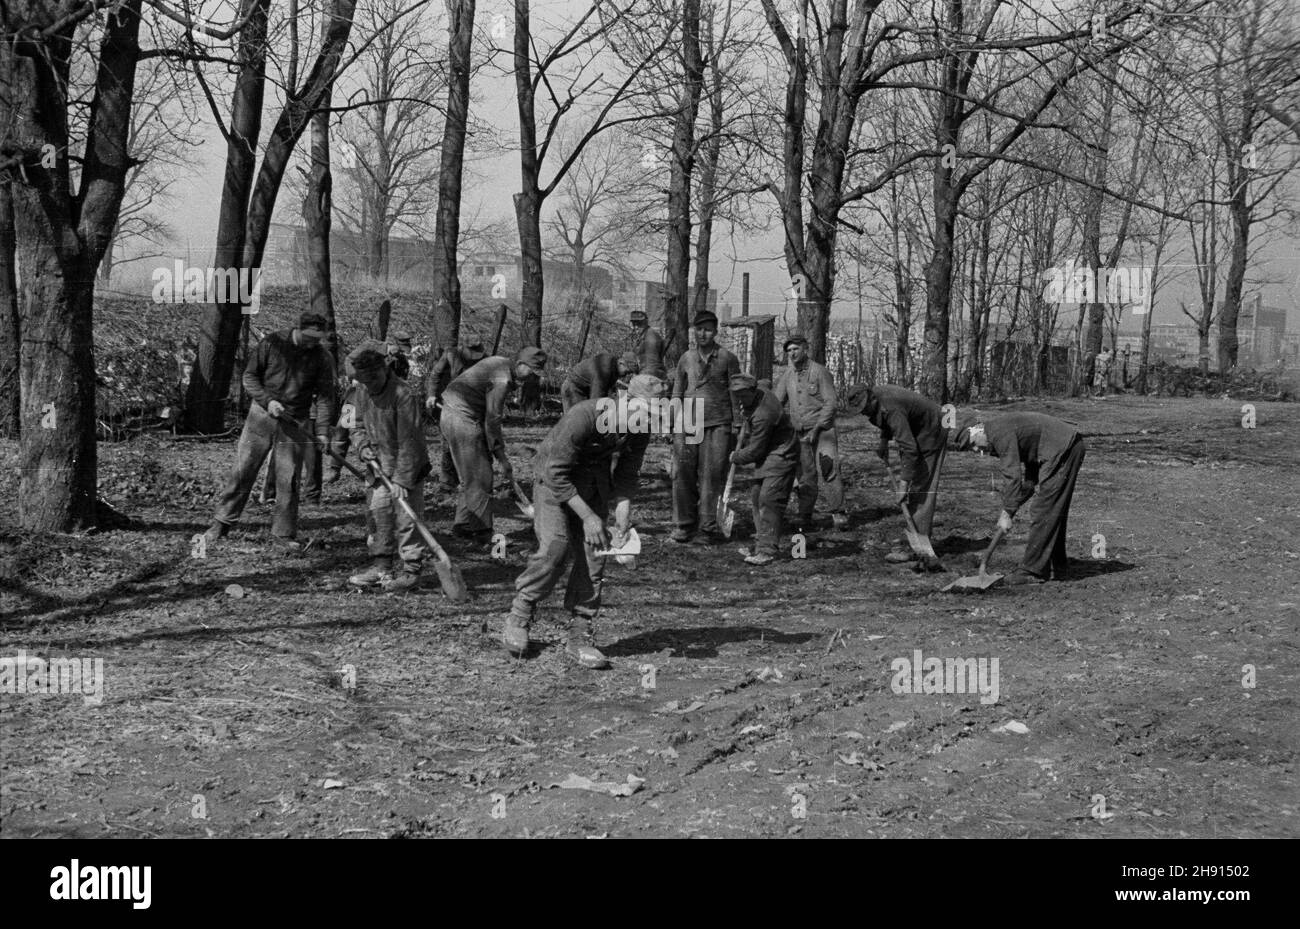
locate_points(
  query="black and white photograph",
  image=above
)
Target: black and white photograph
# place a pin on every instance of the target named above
(617, 419)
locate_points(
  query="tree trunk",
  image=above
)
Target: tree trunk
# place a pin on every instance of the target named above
(317, 206)
(10, 321)
(707, 207)
(61, 239)
(1239, 210)
(446, 240)
(683, 163)
(528, 202)
(938, 287)
(205, 398)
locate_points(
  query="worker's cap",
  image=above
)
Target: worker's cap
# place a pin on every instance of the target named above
(630, 361)
(705, 318)
(638, 314)
(313, 324)
(960, 436)
(532, 356)
(859, 399)
(474, 351)
(646, 387)
(743, 382)
(794, 338)
(366, 359)
(401, 338)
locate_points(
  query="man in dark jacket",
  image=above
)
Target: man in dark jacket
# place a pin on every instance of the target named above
(596, 377)
(647, 345)
(285, 373)
(807, 391)
(450, 365)
(580, 470)
(389, 435)
(915, 423)
(771, 444)
(1035, 452)
(473, 407)
(700, 468)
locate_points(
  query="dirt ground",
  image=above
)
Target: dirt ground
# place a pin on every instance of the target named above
(771, 711)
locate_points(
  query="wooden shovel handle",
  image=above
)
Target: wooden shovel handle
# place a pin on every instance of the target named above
(988, 552)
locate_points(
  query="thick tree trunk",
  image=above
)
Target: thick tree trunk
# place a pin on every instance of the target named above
(10, 321)
(60, 241)
(446, 238)
(707, 204)
(683, 163)
(938, 288)
(317, 206)
(1239, 209)
(205, 399)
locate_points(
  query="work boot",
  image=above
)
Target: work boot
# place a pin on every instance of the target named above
(408, 579)
(286, 544)
(1020, 577)
(682, 536)
(376, 574)
(216, 531)
(754, 557)
(840, 520)
(515, 636)
(581, 646)
(897, 557)
(709, 537)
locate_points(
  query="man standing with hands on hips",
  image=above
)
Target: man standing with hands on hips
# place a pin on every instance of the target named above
(284, 374)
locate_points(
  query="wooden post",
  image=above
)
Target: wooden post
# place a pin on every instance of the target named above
(502, 312)
(586, 327)
(744, 294)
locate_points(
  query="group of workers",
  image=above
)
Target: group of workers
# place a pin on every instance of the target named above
(585, 470)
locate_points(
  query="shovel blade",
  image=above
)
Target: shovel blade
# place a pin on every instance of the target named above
(973, 582)
(920, 544)
(727, 522)
(453, 582)
(527, 511)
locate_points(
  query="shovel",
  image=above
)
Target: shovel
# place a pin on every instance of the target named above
(918, 542)
(983, 580)
(521, 500)
(453, 582)
(726, 515)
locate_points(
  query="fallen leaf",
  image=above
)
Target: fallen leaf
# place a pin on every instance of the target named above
(234, 590)
(894, 727)
(330, 784)
(1018, 728)
(754, 728)
(613, 788)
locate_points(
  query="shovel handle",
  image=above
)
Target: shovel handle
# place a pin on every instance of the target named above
(988, 552)
(429, 540)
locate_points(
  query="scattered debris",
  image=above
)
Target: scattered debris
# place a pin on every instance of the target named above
(613, 788)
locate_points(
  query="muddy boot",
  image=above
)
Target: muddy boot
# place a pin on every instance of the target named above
(582, 645)
(407, 579)
(379, 572)
(216, 531)
(515, 636)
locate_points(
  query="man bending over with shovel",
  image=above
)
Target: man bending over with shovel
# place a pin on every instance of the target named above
(389, 435)
(915, 423)
(773, 445)
(577, 479)
(1036, 451)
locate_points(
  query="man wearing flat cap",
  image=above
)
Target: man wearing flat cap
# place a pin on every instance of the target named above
(596, 376)
(473, 407)
(1040, 457)
(807, 391)
(700, 469)
(582, 470)
(389, 434)
(771, 446)
(648, 345)
(915, 423)
(399, 353)
(285, 373)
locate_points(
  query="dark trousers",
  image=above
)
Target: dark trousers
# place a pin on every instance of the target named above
(769, 498)
(699, 473)
(925, 488)
(1045, 548)
(559, 539)
(261, 434)
(465, 440)
(819, 463)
